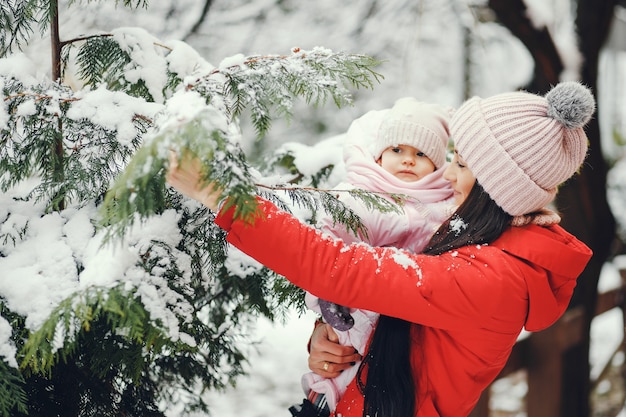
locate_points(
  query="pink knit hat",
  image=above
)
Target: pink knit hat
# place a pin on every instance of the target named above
(521, 146)
(412, 122)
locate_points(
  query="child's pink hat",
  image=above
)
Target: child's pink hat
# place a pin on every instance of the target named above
(418, 124)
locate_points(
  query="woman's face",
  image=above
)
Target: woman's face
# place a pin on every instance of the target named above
(406, 162)
(460, 177)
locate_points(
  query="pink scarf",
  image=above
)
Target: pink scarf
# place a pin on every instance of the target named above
(364, 172)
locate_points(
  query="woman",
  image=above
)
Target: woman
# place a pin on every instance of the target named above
(450, 316)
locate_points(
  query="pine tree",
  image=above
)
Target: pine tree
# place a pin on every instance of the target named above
(155, 317)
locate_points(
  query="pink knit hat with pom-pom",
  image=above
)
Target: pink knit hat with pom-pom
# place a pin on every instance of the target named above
(522, 146)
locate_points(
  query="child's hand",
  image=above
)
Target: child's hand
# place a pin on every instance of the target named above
(186, 177)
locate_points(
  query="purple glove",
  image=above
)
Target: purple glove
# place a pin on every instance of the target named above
(337, 316)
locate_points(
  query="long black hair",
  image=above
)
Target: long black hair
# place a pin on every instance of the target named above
(390, 388)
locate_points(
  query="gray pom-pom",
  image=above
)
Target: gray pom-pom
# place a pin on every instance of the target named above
(571, 103)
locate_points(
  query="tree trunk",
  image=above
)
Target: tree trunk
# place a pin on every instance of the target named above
(585, 207)
(582, 200)
(58, 151)
(548, 65)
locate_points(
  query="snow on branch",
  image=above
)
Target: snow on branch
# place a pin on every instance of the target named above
(203, 119)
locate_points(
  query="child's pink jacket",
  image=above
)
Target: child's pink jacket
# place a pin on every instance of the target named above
(427, 204)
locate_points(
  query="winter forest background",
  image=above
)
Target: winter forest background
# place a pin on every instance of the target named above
(162, 318)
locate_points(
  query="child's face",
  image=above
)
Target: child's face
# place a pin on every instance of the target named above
(406, 162)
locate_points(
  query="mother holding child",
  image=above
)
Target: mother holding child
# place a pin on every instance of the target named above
(449, 316)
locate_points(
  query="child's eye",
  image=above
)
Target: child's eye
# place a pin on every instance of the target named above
(460, 165)
(396, 150)
(420, 154)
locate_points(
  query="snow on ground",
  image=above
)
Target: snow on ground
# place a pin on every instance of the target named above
(274, 370)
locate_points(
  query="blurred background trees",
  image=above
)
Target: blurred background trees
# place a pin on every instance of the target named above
(441, 51)
(583, 200)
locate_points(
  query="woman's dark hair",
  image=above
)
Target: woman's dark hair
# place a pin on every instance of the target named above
(389, 389)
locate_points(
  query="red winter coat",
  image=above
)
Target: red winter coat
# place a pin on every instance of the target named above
(473, 302)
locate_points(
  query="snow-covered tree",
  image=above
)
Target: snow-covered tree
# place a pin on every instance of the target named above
(117, 296)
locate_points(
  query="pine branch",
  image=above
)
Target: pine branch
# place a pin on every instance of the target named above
(29, 141)
(12, 395)
(141, 189)
(101, 59)
(122, 311)
(89, 162)
(260, 84)
(16, 20)
(313, 199)
(270, 84)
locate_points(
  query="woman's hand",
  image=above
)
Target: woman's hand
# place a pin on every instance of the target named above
(327, 357)
(186, 177)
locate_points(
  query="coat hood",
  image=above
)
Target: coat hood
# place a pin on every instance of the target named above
(557, 259)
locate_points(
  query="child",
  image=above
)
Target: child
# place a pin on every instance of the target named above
(401, 150)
